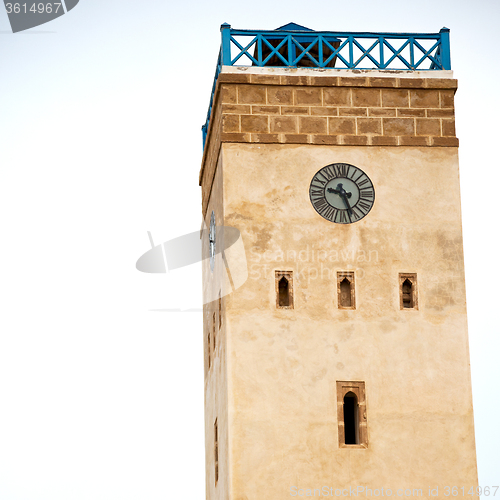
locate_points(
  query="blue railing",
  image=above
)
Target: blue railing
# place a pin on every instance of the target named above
(296, 46)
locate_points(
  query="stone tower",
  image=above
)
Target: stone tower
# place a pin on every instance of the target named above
(340, 367)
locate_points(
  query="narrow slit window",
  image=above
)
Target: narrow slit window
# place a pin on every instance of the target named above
(209, 345)
(213, 331)
(345, 290)
(351, 419)
(216, 451)
(284, 290)
(408, 291)
(351, 414)
(220, 311)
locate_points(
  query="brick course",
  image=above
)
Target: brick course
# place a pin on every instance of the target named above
(330, 110)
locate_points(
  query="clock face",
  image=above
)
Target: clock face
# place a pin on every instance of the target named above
(211, 240)
(342, 193)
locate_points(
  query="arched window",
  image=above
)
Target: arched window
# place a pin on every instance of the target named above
(407, 294)
(284, 290)
(351, 419)
(284, 299)
(408, 297)
(345, 290)
(345, 293)
(351, 414)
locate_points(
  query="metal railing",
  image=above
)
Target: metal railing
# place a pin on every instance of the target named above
(301, 47)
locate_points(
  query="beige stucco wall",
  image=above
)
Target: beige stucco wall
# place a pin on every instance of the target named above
(284, 364)
(216, 401)
(273, 385)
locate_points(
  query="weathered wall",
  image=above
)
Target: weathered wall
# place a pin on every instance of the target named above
(283, 365)
(216, 401)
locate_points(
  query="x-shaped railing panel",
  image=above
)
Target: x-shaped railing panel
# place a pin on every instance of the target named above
(322, 49)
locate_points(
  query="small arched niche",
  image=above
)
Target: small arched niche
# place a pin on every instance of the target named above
(408, 291)
(284, 290)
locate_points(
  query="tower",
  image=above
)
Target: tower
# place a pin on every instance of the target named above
(340, 367)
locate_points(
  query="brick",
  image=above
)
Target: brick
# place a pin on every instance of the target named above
(231, 123)
(353, 81)
(381, 112)
(228, 94)
(355, 140)
(411, 140)
(369, 126)
(293, 80)
(308, 96)
(265, 79)
(225, 137)
(276, 95)
(439, 113)
(382, 82)
(424, 98)
(448, 127)
(378, 140)
(325, 139)
(428, 126)
(395, 98)
(337, 97)
(447, 98)
(445, 141)
(324, 111)
(441, 83)
(398, 126)
(254, 123)
(411, 112)
(366, 97)
(324, 81)
(341, 126)
(353, 112)
(265, 110)
(238, 109)
(294, 110)
(411, 83)
(234, 78)
(312, 125)
(251, 94)
(295, 138)
(265, 138)
(284, 124)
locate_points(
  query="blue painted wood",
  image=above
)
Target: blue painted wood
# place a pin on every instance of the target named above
(293, 45)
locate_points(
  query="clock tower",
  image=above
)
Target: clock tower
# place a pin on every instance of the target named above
(335, 335)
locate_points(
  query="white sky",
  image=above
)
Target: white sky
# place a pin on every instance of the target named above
(100, 116)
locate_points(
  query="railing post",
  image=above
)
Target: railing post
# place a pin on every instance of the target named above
(445, 48)
(225, 30)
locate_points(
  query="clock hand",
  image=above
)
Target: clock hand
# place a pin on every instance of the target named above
(331, 190)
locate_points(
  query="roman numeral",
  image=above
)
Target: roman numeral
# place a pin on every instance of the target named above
(341, 170)
(329, 172)
(363, 206)
(367, 194)
(356, 214)
(320, 204)
(317, 192)
(342, 217)
(363, 182)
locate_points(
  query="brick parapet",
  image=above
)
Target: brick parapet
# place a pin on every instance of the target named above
(330, 110)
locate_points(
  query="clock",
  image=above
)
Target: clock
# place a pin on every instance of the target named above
(211, 241)
(342, 193)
